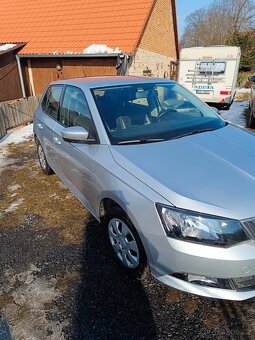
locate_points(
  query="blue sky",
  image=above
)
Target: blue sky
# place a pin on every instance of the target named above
(185, 7)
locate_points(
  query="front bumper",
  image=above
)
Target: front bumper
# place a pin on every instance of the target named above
(217, 293)
(226, 264)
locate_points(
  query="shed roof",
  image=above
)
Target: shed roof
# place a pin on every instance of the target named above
(50, 26)
(6, 48)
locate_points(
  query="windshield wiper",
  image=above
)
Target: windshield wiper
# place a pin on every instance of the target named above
(193, 133)
(141, 141)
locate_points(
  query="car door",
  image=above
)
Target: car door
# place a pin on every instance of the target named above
(77, 162)
(46, 119)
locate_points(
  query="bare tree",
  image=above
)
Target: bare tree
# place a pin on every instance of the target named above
(216, 24)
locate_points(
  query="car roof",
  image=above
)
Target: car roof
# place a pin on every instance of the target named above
(94, 82)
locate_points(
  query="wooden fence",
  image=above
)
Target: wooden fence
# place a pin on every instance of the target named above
(18, 112)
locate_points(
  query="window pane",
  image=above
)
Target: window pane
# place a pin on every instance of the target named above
(75, 111)
(152, 111)
(212, 67)
(51, 101)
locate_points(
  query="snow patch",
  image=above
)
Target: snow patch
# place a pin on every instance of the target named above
(97, 49)
(27, 312)
(243, 90)
(71, 52)
(13, 206)
(235, 114)
(13, 187)
(6, 47)
(17, 136)
(3, 159)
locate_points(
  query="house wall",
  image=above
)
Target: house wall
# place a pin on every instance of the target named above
(10, 87)
(151, 64)
(158, 44)
(43, 70)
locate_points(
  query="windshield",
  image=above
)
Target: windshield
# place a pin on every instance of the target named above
(152, 112)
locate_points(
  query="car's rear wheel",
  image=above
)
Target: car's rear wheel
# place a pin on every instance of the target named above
(43, 161)
(125, 241)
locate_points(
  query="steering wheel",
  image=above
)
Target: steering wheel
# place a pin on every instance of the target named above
(165, 115)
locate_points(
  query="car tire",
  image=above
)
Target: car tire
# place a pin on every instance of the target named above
(42, 160)
(252, 121)
(124, 241)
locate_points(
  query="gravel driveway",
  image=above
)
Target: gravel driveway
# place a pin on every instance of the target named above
(59, 281)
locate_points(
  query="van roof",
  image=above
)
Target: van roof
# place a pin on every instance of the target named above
(210, 52)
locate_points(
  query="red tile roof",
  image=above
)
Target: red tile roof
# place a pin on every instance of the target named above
(73, 25)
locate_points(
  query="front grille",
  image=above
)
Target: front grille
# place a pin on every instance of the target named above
(249, 226)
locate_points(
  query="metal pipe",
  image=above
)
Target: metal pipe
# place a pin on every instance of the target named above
(69, 55)
(21, 77)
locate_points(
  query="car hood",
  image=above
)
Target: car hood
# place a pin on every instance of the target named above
(211, 172)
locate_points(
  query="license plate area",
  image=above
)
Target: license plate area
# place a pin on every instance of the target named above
(202, 92)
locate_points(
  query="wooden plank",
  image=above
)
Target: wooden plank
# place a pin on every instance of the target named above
(2, 124)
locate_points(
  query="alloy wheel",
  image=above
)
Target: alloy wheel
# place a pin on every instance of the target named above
(41, 156)
(123, 243)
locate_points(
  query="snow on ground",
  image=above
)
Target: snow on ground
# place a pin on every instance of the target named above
(243, 90)
(17, 136)
(235, 114)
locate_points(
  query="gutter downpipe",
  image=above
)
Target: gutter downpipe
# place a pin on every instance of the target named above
(21, 77)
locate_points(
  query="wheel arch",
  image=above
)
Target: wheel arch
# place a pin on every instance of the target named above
(110, 200)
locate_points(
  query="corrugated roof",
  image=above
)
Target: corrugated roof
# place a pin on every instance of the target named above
(50, 26)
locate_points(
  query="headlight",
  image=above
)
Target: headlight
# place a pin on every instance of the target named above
(200, 228)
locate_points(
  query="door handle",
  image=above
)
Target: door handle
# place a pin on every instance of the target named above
(57, 140)
(40, 126)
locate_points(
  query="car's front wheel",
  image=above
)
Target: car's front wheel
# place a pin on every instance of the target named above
(125, 241)
(42, 160)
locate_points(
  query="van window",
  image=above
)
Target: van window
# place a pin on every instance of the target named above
(50, 103)
(210, 67)
(75, 110)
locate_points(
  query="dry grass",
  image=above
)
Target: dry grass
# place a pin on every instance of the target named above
(41, 194)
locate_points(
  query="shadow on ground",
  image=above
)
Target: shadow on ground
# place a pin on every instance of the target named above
(110, 304)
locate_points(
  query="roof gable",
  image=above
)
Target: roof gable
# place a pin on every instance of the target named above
(51, 26)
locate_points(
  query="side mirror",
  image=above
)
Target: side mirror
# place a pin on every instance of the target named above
(252, 79)
(76, 134)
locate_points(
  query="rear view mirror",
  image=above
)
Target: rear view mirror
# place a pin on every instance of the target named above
(75, 134)
(252, 78)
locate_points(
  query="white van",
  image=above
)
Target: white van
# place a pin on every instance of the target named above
(210, 73)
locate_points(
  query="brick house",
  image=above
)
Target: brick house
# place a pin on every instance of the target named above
(85, 37)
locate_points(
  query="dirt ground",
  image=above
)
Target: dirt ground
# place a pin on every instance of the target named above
(58, 279)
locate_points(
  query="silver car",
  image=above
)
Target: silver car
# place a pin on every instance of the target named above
(171, 182)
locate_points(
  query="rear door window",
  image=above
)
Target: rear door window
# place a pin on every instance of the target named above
(51, 100)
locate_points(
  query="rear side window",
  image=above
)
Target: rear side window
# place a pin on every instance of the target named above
(75, 110)
(50, 103)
